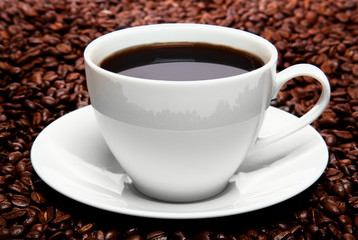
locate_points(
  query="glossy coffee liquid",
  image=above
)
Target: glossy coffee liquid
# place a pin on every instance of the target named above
(181, 61)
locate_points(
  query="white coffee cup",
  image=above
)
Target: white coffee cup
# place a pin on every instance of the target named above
(183, 140)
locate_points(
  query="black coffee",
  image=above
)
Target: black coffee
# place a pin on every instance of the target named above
(181, 61)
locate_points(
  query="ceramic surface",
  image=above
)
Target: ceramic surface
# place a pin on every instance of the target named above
(71, 156)
(160, 130)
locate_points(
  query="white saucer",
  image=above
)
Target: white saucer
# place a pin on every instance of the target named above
(70, 156)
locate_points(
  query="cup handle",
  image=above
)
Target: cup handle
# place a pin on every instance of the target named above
(281, 78)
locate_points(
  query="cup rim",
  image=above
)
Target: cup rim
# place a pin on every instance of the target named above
(93, 44)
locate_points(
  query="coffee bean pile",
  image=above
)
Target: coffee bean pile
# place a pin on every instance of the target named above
(42, 78)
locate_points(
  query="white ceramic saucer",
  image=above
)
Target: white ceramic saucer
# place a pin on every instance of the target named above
(70, 156)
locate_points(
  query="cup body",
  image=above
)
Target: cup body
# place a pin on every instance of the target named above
(180, 140)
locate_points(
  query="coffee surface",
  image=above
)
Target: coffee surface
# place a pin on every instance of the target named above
(181, 61)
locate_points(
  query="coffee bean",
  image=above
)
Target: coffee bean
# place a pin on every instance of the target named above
(16, 231)
(30, 221)
(3, 222)
(38, 198)
(178, 235)
(130, 232)
(348, 236)
(85, 228)
(20, 167)
(111, 235)
(20, 201)
(343, 134)
(38, 227)
(33, 235)
(13, 214)
(60, 219)
(348, 228)
(283, 235)
(332, 206)
(342, 188)
(7, 169)
(261, 237)
(353, 203)
(42, 78)
(204, 235)
(14, 157)
(17, 187)
(157, 235)
(4, 233)
(2, 197)
(134, 237)
(57, 236)
(98, 235)
(69, 233)
(297, 230)
(334, 174)
(5, 206)
(64, 48)
(33, 210)
(252, 233)
(48, 101)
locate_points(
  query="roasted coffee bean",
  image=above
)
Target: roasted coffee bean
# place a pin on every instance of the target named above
(340, 190)
(334, 174)
(333, 206)
(302, 216)
(85, 228)
(20, 167)
(283, 235)
(345, 219)
(179, 236)
(33, 235)
(20, 201)
(2, 197)
(7, 169)
(38, 198)
(48, 101)
(134, 237)
(13, 214)
(30, 221)
(334, 231)
(157, 235)
(111, 235)
(98, 235)
(17, 187)
(14, 157)
(220, 236)
(33, 210)
(297, 230)
(204, 235)
(57, 236)
(60, 219)
(16, 231)
(69, 233)
(130, 231)
(5, 206)
(38, 227)
(42, 78)
(4, 233)
(252, 233)
(353, 203)
(261, 237)
(3, 222)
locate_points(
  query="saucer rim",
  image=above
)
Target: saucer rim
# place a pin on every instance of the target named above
(171, 215)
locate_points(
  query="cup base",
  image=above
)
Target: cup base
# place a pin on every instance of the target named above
(182, 196)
